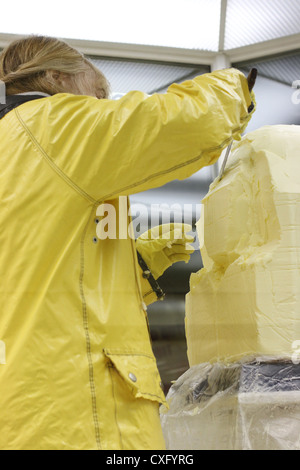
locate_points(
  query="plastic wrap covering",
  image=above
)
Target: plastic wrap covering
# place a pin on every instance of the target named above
(253, 405)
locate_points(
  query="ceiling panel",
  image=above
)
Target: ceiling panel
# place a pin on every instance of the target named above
(125, 76)
(282, 69)
(190, 24)
(250, 22)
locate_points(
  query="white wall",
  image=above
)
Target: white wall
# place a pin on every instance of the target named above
(274, 104)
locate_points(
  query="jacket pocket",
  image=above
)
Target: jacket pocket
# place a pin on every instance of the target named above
(137, 395)
(139, 373)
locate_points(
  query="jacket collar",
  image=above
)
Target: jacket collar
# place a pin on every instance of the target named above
(29, 93)
(13, 101)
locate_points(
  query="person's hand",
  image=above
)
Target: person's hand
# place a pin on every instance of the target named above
(251, 79)
(164, 245)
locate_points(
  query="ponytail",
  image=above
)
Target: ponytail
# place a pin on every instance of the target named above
(25, 66)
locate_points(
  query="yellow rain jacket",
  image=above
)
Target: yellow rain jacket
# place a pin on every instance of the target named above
(77, 369)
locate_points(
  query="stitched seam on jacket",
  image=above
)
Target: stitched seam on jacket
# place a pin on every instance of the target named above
(155, 175)
(126, 353)
(111, 367)
(87, 338)
(153, 396)
(176, 167)
(51, 162)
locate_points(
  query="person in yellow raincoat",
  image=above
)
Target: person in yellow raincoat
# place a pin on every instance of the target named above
(77, 371)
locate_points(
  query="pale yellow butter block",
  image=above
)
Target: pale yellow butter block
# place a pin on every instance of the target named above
(246, 299)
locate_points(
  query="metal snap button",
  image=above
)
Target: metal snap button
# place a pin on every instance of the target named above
(95, 240)
(146, 274)
(132, 377)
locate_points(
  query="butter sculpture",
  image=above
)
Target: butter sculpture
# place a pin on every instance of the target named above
(246, 299)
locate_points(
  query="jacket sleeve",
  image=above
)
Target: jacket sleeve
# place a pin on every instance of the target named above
(108, 148)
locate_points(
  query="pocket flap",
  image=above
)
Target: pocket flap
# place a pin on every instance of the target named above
(140, 373)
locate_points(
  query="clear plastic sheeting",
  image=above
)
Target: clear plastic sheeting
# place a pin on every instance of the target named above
(250, 405)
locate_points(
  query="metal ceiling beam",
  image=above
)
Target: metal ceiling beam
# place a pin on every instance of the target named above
(221, 61)
(132, 51)
(176, 55)
(222, 25)
(145, 52)
(265, 49)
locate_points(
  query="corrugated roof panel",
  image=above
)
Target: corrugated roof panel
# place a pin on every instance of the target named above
(250, 22)
(125, 76)
(284, 69)
(190, 24)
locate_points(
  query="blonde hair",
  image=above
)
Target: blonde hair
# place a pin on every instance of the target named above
(26, 65)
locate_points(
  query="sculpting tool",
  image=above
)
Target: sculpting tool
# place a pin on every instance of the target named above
(225, 160)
